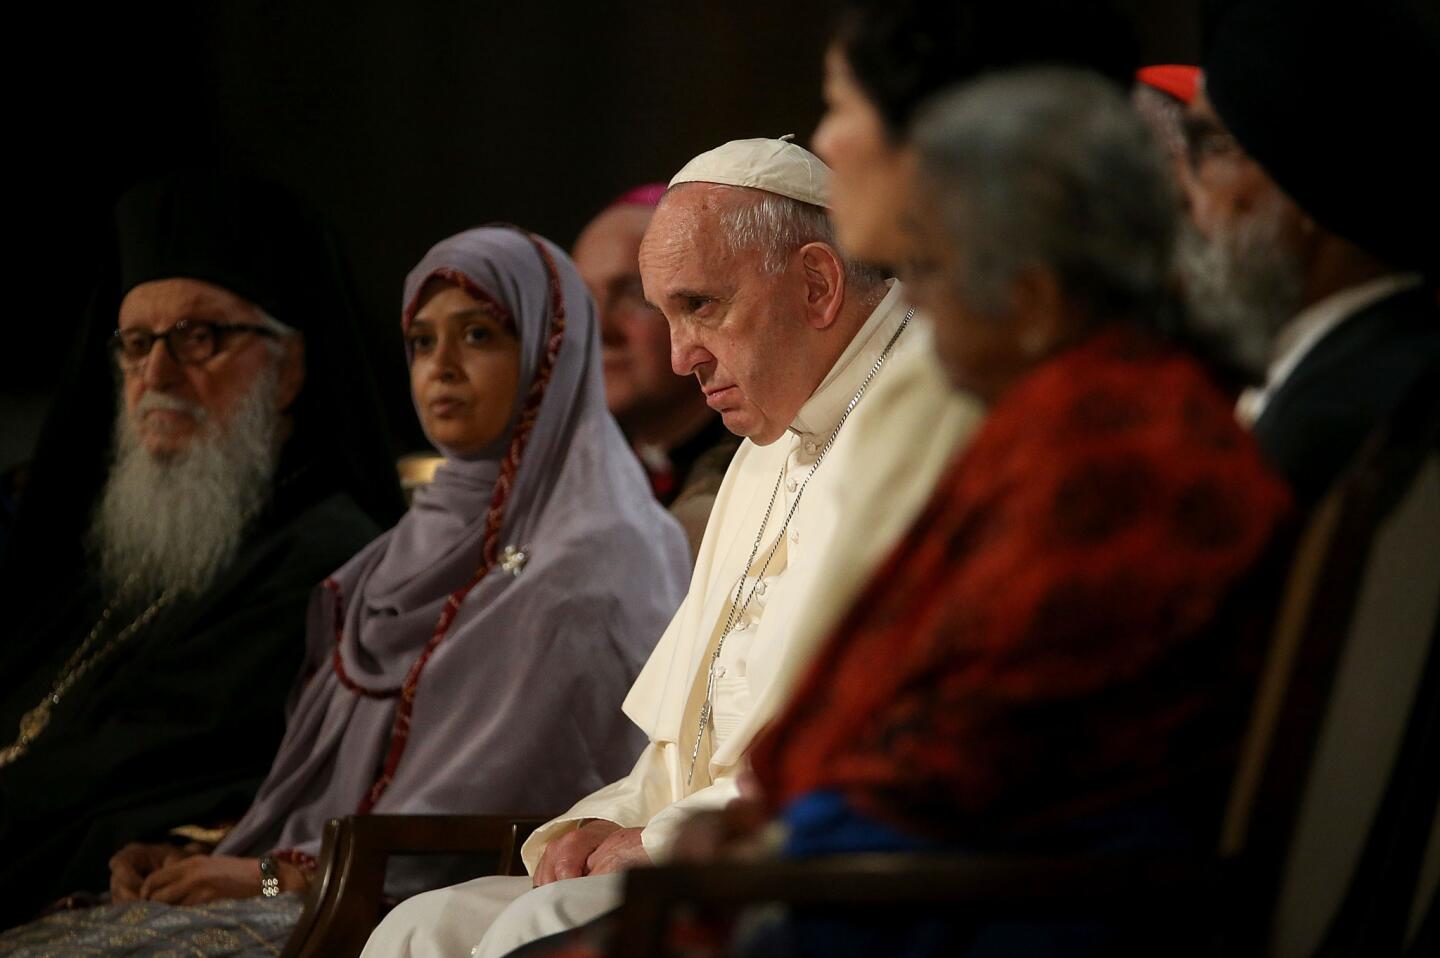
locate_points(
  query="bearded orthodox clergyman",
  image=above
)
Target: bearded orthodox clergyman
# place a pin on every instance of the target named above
(215, 454)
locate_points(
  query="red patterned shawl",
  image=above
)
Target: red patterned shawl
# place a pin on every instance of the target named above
(1044, 641)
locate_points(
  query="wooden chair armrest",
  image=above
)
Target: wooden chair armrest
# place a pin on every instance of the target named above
(995, 888)
(346, 895)
(439, 834)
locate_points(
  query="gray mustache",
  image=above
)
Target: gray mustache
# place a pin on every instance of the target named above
(160, 401)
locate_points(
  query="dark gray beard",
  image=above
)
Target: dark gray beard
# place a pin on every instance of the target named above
(176, 523)
(1243, 286)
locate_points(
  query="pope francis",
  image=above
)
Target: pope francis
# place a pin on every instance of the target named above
(823, 368)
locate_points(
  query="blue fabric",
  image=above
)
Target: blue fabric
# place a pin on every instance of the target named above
(822, 823)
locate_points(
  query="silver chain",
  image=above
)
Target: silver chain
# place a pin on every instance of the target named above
(737, 608)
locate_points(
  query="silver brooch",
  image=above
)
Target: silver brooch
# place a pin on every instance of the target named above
(513, 560)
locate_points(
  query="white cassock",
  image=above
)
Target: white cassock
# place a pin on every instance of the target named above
(871, 484)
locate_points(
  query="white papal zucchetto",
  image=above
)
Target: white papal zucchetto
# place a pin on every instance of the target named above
(776, 166)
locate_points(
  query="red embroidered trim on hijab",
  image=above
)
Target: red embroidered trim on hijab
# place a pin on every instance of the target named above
(455, 276)
(400, 730)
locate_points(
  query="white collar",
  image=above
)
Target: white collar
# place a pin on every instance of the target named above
(1299, 336)
(826, 404)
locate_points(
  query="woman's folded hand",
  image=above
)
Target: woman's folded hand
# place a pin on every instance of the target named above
(131, 865)
(206, 878)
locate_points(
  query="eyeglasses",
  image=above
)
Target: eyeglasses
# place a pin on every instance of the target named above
(188, 341)
(1205, 141)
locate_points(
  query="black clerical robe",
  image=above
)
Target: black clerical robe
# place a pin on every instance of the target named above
(180, 725)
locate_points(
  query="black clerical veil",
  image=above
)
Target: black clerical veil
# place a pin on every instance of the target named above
(254, 239)
(179, 725)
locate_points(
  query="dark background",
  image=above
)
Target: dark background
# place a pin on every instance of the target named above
(401, 122)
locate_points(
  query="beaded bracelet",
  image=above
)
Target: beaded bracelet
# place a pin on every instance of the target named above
(297, 858)
(269, 877)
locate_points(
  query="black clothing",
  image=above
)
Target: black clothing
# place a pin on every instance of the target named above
(1348, 384)
(180, 724)
(1329, 97)
(256, 240)
(712, 438)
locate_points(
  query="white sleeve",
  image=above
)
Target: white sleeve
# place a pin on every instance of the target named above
(630, 803)
(659, 835)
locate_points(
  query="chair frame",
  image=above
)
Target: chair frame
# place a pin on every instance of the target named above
(989, 888)
(346, 898)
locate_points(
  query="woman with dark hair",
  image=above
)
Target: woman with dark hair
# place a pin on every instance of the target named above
(890, 56)
(473, 658)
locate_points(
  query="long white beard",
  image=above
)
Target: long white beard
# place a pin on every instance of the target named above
(176, 523)
(1244, 285)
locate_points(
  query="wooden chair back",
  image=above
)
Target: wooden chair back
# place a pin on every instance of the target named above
(1330, 773)
(346, 899)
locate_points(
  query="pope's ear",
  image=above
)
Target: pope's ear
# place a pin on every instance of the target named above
(824, 273)
(292, 372)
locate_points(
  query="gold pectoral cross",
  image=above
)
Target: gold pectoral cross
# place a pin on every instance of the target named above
(32, 723)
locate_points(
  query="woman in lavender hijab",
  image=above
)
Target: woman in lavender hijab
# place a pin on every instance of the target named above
(473, 658)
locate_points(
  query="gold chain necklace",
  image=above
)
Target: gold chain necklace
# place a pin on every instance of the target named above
(737, 609)
(33, 722)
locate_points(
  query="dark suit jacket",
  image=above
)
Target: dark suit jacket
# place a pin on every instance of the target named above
(1347, 385)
